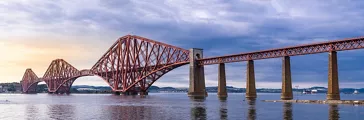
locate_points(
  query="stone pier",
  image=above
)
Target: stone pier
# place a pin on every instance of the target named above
(197, 75)
(286, 79)
(221, 90)
(333, 92)
(143, 93)
(117, 93)
(250, 80)
(130, 93)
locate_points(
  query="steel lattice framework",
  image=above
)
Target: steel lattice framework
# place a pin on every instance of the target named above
(134, 63)
(60, 76)
(339, 45)
(30, 81)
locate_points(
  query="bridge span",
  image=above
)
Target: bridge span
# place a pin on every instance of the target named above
(133, 63)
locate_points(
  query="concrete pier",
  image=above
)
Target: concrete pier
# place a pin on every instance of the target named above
(333, 92)
(286, 79)
(250, 80)
(197, 75)
(221, 90)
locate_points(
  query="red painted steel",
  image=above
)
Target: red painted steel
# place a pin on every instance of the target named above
(339, 45)
(29, 82)
(60, 75)
(134, 63)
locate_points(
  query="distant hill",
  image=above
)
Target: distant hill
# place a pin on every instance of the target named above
(211, 89)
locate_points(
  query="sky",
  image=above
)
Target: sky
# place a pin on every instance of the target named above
(35, 32)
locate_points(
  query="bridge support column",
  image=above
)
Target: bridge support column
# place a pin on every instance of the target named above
(221, 90)
(130, 93)
(143, 93)
(197, 75)
(333, 92)
(250, 81)
(286, 79)
(116, 93)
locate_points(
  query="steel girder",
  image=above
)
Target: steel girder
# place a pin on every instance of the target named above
(338, 45)
(135, 63)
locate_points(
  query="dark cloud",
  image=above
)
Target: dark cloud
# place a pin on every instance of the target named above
(219, 27)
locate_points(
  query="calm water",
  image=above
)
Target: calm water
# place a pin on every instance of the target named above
(169, 106)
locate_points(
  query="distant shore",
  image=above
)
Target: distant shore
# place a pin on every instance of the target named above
(350, 102)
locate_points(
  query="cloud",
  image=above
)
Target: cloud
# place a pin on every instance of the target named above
(81, 31)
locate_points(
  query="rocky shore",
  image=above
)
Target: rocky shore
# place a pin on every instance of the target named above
(352, 102)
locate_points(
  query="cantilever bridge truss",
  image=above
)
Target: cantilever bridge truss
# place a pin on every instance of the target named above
(30, 81)
(133, 63)
(136, 62)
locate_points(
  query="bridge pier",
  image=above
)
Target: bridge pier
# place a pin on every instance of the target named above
(286, 79)
(221, 90)
(130, 93)
(250, 81)
(143, 93)
(197, 86)
(333, 92)
(117, 93)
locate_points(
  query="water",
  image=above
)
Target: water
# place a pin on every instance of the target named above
(169, 106)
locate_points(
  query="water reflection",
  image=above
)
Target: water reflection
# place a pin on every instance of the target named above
(223, 99)
(61, 111)
(32, 112)
(129, 112)
(164, 107)
(223, 109)
(287, 111)
(334, 112)
(198, 109)
(252, 113)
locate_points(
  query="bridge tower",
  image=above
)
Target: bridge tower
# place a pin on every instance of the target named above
(29, 82)
(60, 76)
(133, 63)
(197, 74)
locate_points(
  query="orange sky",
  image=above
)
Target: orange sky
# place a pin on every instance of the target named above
(37, 53)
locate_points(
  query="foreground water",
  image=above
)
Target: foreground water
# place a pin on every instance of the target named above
(169, 106)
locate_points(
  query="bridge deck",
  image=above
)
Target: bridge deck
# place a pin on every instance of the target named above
(338, 45)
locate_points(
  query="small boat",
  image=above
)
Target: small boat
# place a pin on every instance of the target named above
(314, 91)
(306, 92)
(356, 92)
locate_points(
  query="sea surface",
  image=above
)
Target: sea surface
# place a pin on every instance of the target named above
(170, 106)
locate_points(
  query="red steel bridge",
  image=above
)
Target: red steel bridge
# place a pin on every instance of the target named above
(133, 63)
